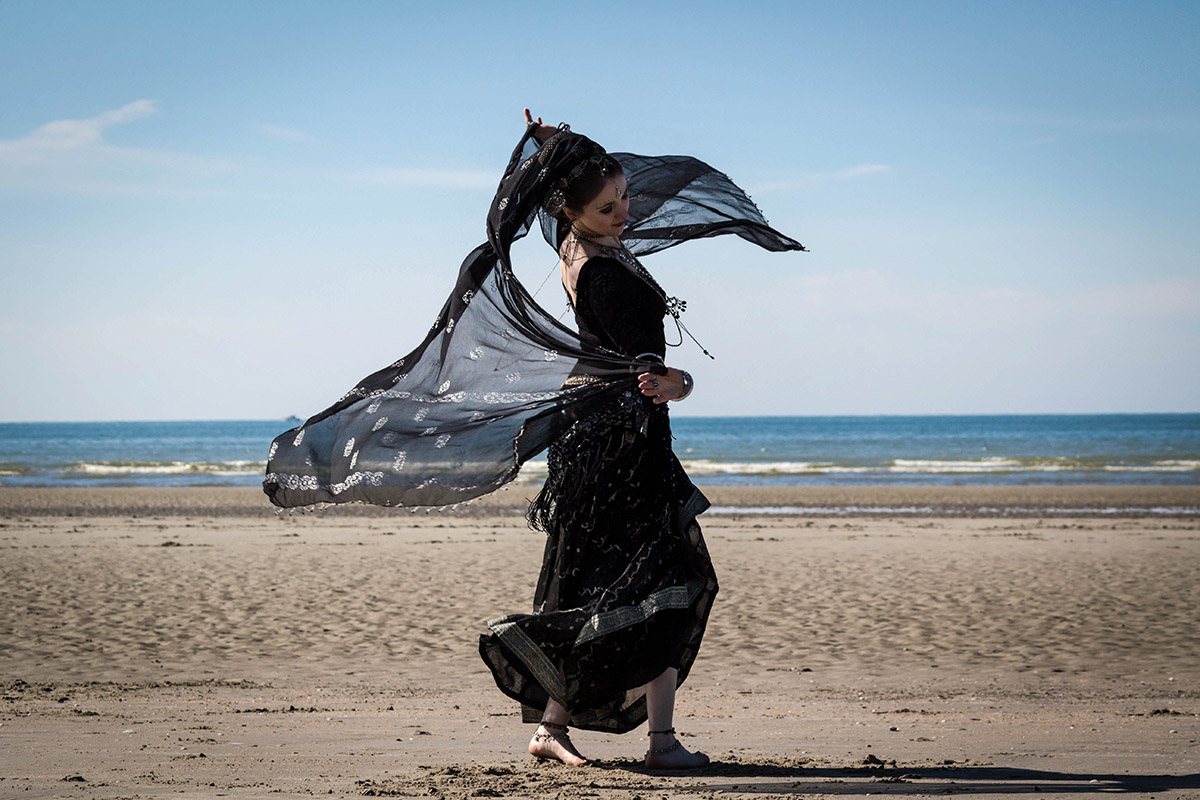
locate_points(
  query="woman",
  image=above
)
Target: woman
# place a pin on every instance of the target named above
(626, 583)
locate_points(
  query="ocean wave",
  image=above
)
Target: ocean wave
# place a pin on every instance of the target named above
(990, 465)
(705, 466)
(851, 510)
(222, 468)
(1159, 466)
(995, 465)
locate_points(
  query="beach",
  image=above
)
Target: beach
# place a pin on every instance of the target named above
(994, 640)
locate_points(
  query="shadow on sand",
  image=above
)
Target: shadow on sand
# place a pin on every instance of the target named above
(775, 778)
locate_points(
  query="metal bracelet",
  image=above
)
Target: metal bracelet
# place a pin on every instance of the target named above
(688, 384)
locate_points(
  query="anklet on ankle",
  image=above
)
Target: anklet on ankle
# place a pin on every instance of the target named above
(552, 726)
(662, 751)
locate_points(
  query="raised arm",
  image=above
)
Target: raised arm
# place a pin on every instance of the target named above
(543, 132)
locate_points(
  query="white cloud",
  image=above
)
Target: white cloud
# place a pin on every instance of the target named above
(73, 156)
(861, 170)
(816, 179)
(876, 341)
(284, 134)
(417, 177)
(53, 138)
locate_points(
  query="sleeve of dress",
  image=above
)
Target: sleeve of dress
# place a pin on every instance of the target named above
(611, 292)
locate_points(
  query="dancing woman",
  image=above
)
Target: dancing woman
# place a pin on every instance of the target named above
(626, 583)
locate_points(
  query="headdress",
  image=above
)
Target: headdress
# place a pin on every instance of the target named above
(486, 390)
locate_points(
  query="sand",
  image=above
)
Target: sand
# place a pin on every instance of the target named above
(993, 642)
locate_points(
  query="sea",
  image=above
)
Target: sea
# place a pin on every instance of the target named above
(1001, 450)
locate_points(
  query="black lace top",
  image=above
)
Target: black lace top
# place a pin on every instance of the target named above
(618, 310)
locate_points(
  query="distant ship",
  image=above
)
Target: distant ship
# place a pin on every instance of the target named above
(293, 420)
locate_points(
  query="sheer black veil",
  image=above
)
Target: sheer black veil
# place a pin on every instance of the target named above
(487, 389)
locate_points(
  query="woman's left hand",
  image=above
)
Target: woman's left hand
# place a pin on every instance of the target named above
(662, 387)
(543, 131)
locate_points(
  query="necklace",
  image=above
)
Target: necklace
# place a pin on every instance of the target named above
(674, 305)
(621, 253)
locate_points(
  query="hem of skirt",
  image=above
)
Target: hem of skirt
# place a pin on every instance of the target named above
(671, 598)
(524, 648)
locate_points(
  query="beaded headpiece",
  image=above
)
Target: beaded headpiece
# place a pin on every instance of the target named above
(598, 161)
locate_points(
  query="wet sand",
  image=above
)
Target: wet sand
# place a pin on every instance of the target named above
(162, 642)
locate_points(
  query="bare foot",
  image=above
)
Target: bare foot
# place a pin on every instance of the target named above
(667, 752)
(555, 745)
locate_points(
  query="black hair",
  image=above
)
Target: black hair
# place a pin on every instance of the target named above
(583, 187)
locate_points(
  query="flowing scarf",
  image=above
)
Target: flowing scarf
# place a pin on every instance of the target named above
(497, 378)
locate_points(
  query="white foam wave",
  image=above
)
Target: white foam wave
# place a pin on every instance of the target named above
(973, 465)
(996, 464)
(846, 511)
(819, 510)
(224, 468)
(1160, 466)
(704, 466)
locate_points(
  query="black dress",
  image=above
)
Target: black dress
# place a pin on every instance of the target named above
(626, 583)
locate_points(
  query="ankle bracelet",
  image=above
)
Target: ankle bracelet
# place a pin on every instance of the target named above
(553, 725)
(668, 730)
(662, 751)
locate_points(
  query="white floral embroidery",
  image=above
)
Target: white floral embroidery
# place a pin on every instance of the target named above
(475, 354)
(310, 483)
(372, 478)
(512, 377)
(421, 414)
(293, 482)
(371, 409)
(495, 398)
(354, 459)
(299, 438)
(274, 447)
(478, 415)
(442, 389)
(398, 461)
(468, 295)
(349, 447)
(442, 440)
(551, 355)
(379, 423)
(450, 326)
(429, 431)
(503, 203)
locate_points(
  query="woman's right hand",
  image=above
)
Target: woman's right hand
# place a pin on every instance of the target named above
(543, 132)
(662, 387)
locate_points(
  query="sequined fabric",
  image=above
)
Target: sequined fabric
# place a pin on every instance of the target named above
(626, 583)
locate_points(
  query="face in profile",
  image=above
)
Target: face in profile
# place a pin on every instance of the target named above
(607, 212)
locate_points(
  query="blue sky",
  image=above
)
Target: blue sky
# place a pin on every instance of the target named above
(236, 210)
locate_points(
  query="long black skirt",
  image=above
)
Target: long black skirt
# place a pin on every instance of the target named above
(626, 584)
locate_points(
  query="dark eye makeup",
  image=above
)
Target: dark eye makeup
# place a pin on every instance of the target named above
(608, 207)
